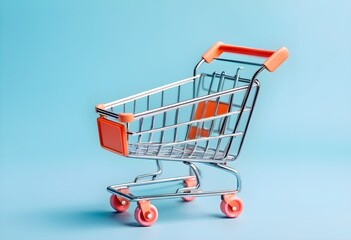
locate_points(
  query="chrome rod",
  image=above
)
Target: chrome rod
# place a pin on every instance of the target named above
(152, 91)
(189, 102)
(131, 197)
(232, 171)
(197, 173)
(246, 97)
(237, 61)
(153, 174)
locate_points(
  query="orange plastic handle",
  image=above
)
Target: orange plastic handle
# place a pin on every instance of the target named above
(274, 58)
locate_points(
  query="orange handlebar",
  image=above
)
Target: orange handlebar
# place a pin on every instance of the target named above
(274, 58)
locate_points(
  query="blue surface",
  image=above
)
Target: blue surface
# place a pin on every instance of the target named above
(60, 58)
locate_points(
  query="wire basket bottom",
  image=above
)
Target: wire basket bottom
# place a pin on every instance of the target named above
(180, 151)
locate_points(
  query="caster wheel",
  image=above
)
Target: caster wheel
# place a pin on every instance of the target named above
(120, 205)
(151, 216)
(188, 199)
(234, 210)
(189, 182)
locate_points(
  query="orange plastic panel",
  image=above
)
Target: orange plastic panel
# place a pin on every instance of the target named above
(208, 110)
(193, 131)
(113, 136)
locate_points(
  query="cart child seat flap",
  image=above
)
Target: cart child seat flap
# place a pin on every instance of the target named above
(113, 136)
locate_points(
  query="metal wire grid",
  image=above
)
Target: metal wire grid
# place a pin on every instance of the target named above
(169, 124)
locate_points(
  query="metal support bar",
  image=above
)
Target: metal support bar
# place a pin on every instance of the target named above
(153, 175)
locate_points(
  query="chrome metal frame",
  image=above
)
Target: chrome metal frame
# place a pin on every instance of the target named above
(188, 150)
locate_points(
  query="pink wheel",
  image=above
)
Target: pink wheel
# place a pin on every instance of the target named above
(119, 206)
(189, 182)
(232, 211)
(188, 199)
(152, 216)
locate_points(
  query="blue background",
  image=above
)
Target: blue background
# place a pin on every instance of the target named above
(60, 58)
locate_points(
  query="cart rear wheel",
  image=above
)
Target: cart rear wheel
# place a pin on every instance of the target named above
(189, 182)
(234, 210)
(146, 222)
(188, 199)
(120, 205)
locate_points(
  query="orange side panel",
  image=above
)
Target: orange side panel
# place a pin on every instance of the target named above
(193, 131)
(113, 136)
(203, 111)
(206, 110)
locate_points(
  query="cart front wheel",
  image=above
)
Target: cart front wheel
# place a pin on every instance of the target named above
(119, 204)
(233, 209)
(150, 218)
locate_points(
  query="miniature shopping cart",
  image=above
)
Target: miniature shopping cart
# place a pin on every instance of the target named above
(201, 119)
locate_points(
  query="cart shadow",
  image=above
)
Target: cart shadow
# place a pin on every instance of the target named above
(218, 215)
(85, 218)
(76, 219)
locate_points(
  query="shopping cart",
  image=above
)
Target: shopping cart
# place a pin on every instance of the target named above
(201, 119)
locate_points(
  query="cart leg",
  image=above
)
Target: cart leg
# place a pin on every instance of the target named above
(153, 175)
(232, 171)
(191, 171)
(196, 178)
(231, 205)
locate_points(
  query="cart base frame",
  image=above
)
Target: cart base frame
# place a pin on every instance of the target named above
(146, 214)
